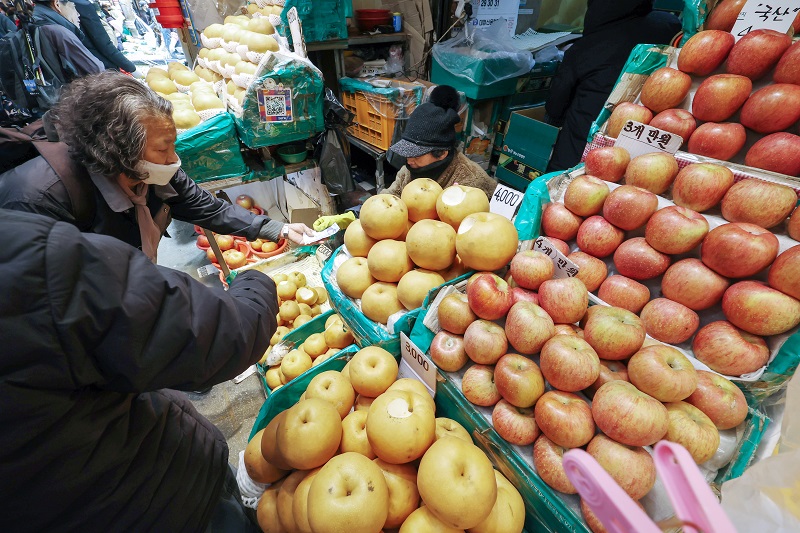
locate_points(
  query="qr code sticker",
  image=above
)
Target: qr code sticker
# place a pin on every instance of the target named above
(275, 105)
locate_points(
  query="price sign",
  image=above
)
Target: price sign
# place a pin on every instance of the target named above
(771, 15)
(485, 12)
(565, 268)
(416, 365)
(639, 139)
(505, 201)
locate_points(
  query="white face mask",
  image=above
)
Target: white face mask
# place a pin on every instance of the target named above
(69, 12)
(156, 174)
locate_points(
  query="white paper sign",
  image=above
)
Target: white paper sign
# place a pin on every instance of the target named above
(771, 15)
(415, 365)
(296, 29)
(565, 268)
(485, 12)
(505, 201)
(639, 139)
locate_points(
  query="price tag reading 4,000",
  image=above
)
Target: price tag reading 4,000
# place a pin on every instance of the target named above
(505, 201)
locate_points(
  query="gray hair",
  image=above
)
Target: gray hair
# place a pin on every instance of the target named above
(101, 118)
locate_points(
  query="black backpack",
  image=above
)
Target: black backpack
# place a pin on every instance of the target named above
(19, 145)
(31, 71)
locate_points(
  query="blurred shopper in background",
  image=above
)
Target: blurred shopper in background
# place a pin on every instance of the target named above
(97, 38)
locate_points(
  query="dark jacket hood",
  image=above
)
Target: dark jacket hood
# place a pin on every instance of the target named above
(602, 13)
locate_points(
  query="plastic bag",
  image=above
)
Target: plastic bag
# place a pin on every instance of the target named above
(485, 56)
(334, 164)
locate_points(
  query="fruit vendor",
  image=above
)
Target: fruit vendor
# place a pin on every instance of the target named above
(127, 181)
(428, 145)
(95, 334)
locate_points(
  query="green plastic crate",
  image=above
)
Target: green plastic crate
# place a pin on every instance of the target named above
(440, 76)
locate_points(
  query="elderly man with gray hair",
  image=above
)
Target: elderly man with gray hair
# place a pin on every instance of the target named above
(119, 151)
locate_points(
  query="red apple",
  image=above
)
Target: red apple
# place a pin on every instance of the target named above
(518, 294)
(705, 51)
(568, 363)
(565, 299)
(719, 399)
(245, 201)
(724, 15)
(628, 415)
(729, 350)
(202, 241)
(548, 459)
(623, 112)
(675, 230)
(772, 108)
(664, 89)
(528, 327)
(585, 195)
(560, 222)
(210, 255)
(638, 260)
(760, 310)
(592, 271)
(630, 466)
(568, 329)
(788, 69)
(564, 418)
(793, 226)
(455, 314)
(478, 386)
(234, 258)
(559, 245)
(654, 172)
(669, 321)
(530, 268)
(613, 332)
(692, 429)
(720, 96)
(677, 121)
(225, 242)
(609, 371)
(739, 250)
(519, 381)
(514, 424)
(785, 272)
(623, 292)
(607, 163)
(447, 351)
(720, 141)
(662, 372)
(489, 296)
(485, 342)
(693, 284)
(701, 186)
(598, 237)
(757, 52)
(594, 523)
(779, 152)
(629, 207)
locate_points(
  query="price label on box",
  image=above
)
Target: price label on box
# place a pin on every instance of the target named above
(505, 201)
(639, 139)
(415, 364)
(775, 15)
(565, 268)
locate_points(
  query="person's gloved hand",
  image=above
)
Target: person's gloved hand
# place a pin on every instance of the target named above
(343, 221)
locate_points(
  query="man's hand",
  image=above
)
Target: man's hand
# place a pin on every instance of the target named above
(296, 232)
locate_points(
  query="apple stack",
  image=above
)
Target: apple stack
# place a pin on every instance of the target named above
(714, 83)
(234, 250)
(701, 268)
(363, 452)
(642, 391)
(314, 350)
(403, 247)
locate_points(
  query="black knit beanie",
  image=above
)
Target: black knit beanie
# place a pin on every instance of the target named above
(432, 125)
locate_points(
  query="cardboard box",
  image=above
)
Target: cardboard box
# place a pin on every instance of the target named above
(526, 149)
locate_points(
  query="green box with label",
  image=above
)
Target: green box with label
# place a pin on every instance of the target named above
(526, 149)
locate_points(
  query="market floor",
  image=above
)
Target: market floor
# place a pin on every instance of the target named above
(231, 407)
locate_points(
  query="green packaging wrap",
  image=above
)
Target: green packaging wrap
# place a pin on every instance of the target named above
(210, 151)
(283, 105)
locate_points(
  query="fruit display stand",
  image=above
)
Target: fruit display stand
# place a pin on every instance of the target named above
(210, 151)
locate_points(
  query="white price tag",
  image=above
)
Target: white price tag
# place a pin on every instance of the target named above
(565, 268)
(775, 15)
(639, 139)
(505, 201)
(296, 29)
(415, 365)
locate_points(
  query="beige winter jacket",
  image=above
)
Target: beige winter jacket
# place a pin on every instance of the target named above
(461, 171)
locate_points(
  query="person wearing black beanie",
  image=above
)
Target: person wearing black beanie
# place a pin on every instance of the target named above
(428, 145)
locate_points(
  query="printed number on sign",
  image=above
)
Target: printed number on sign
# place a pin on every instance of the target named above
(506, 196)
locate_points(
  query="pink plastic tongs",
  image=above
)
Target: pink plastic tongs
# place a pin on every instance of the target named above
(696, 507)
